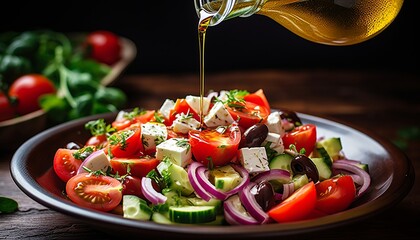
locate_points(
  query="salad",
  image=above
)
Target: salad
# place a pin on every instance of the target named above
(241, 164)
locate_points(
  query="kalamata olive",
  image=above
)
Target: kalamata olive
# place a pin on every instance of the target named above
(301, 164)
(264, 195)
(290, 116)
(254, 136)
(73, 146)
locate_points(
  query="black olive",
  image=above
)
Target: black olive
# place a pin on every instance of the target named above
(301, 164)
(290, 116)
(73, 146)
(254, 136)
(264, 195)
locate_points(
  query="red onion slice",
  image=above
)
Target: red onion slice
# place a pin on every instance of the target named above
(202, 179)
(273, 174)
(288, 189)
(251, 205)
(192, 176)
(150, 193)
(235, 214)
(245, 179)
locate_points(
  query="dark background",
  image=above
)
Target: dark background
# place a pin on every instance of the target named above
(165, 33)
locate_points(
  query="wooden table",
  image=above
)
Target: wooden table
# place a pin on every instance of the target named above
(384, 102)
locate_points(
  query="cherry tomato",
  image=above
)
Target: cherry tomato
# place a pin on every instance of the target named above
(335, 194)
(27, 89)
(303, 136)
(97, 140)
(65, 164)
(126, 142)
(125, 122)
(297, 206)
(98, 192)
(259, 98)
(138, 167)
(215, 146)
(132, 186)
(249, 115)
(181, 106)
(6, 110)
(105, 46)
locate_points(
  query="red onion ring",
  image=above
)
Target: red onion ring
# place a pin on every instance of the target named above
(192, 176)
(150, 193)
(251, 205)
(202, 179)
(273, 174)
(288, 189)
(233, 215)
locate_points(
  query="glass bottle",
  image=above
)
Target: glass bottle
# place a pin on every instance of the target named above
(330, 22)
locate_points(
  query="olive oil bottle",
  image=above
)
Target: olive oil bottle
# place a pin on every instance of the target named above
(330, 22)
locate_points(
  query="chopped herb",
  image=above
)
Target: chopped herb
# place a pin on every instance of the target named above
(134, 113)
(8, 205)
(99, 127)
(83, 153)
(184, 143)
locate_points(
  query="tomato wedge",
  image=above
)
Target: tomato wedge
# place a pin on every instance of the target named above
(65, 164)
(215, 146)
(141, 116)
(98, 192)
(335, 194)
(259, 98)
(248, 115)
(138, 167)
(297, 206)
(303, 137)
(126, 142)
(181, 106)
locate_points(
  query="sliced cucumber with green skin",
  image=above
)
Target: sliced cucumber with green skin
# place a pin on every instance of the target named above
(177, 175)
(135, 207)
(195, 201)
(225, 178)
(192, 214)
(174, 198)
(323, 165)
(300, 180)
(160, 218)
(282, 161)
(332, 146)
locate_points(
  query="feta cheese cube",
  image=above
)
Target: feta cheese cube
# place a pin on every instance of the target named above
(194, 103)
(218, 116)
(153, 133)
(275, 124)
(274, 139)
(166, 107)
(184, 123)
(254, 159)
(178, 150)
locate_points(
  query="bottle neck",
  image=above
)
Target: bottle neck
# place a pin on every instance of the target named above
(226, 9)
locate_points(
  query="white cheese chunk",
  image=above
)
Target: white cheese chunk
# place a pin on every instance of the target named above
(254, 159)
(218, 116)
(275, 124)
(153, 133)
(178, 150)
(97, 161)
(166, 107)
(184, 123)
(274, 139)
(194, 103)
(120, 115)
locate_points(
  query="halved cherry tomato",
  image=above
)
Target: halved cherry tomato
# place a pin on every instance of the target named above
(259, 98)
(138, 167)
(297, 206)
(303, 136)
(126, 142)
(249, 115)
(142, 117)
(335, 194)
(215, 146)
(97, 140)
(98, 192)
(181, 106)
(65, 164)
(104, 46)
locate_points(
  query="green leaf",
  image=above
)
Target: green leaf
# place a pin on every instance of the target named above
(8, 205)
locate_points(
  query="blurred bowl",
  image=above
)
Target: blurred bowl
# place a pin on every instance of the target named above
(14, 132)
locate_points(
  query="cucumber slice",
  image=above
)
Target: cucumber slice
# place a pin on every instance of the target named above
(136, 208)
(177, 176)
(160, 218)
(323, 164)
(299, 180)
(332, 146)
(225, 178)
(192, 214)
(282, 161)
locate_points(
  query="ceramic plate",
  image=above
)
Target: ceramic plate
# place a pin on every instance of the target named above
(391, 172)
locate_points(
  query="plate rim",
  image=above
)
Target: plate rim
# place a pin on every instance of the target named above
(389, 198)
